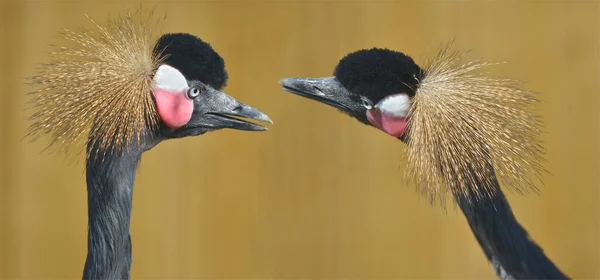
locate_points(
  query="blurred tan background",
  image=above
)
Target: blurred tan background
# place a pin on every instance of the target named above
(318, 196)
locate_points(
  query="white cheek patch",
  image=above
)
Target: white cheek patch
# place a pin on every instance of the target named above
(397, 105)
(170, 79)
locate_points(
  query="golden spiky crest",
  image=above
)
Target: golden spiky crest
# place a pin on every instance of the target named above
(466, 126)
(98, 85)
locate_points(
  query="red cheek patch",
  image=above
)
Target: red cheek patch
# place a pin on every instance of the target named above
(174, 108)
(394, 126)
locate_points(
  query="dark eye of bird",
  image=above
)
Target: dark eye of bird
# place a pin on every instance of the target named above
(366, 103)
(363, 100)
(194, 91)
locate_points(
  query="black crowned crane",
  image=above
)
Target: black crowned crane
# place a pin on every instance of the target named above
(464, 132)
(129, 92)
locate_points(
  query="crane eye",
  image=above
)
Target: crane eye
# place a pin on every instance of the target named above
(195, 91)
(366, 103)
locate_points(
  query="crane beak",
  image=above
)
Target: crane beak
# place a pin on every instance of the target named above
(324, 90)
(328, 91)
(217, 110)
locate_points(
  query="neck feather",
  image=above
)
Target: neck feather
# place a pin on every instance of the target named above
(506, 244)
(110, 188)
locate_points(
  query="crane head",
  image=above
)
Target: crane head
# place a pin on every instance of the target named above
(120, 86)
(457, 121)
(375, 86)
(187, 90)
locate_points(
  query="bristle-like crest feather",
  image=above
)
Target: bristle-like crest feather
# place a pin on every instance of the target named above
(98, 84)
(466, 126)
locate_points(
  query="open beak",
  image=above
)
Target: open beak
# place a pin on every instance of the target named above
(228, 116)
(216, 110)
(224, 109)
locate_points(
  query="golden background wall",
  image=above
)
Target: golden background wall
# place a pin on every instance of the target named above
(318, 196)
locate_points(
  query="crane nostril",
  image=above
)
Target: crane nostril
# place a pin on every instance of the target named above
(318, 91)
(237, 109)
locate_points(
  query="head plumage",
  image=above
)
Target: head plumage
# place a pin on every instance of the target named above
(467, 128)
(98, 84)
(196, 59)
(377, 73)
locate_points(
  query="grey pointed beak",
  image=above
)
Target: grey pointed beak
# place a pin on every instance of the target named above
(215, 110)
(229, 109)
(325, 90)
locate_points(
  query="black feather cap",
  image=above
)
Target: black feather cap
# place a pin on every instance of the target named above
(376, 73)
(194, 58)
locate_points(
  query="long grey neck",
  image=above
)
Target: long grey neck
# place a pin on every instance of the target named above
(507, 245)
(110, 190)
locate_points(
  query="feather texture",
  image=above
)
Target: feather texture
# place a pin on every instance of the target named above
(463, 123)
(98, 84)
